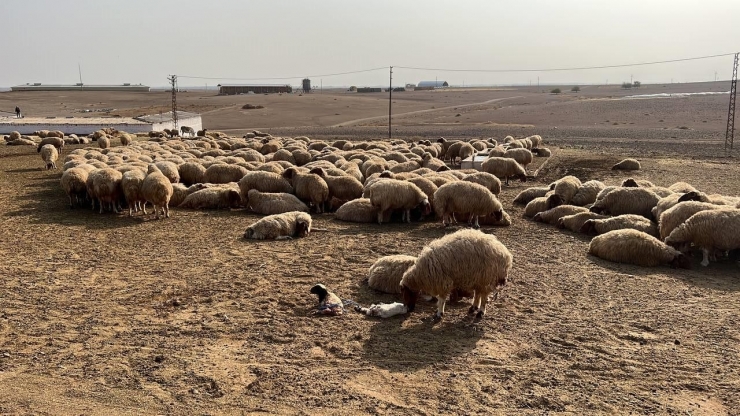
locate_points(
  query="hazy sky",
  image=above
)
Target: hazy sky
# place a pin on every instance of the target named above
(142, 41)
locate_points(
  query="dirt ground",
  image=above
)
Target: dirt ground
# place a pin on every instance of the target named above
(104, 314)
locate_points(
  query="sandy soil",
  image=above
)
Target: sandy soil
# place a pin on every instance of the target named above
(103, 314)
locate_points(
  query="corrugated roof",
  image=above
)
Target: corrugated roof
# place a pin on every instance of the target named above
(431, 84)
(164, 117)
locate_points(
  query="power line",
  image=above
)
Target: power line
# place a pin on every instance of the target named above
(567, 69)
(282, 78)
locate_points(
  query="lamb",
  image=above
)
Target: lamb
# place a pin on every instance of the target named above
(522, 156)
(50, 155)
(541, 204)
(635, 222)
(505, 168)
(635, 247)
(710, 231)
(222, 173)
(266, 203)
(392, 194)
(627, 164)
(386, 273)
(575, 222)
(157, 189)
(466, 198)
(105, 186)
(213, 198)
(74, 183)
(491, 182)
(308, 187)
(526, 196)
(567, 187)
(620, 201)
(131, 185)
(467, 260)
(56, 141)
(104, 142)
(587, 193)
(671, 218)
(553, 215)
(280, 227)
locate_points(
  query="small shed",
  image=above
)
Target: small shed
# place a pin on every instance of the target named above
(234, 89)
(432, 84)
(473, 162)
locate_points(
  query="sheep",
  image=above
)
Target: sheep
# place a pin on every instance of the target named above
(710, 230)
(682, 187)
(541, 204)
(104, 142)
(637, 183)
(283, 226)
(191, 173)
(491, 182)
(635, 222)
(386, 273)
(505, 168)
(587, 193)
(222, 173)
(427, 186)
(56, 141)
(466, 198)
(308, 187)
(157, 190)
(360, 210)
(212, 198)
(541, 152)
(50, 155)
(453, 151)
(169, 170)
(553, 215)
(620, 201)
(21, 142)
(567, 187)
(466, 150)
(345, 188)
(627, 164)
(125, 139)
(575, 222)
(536, 140)
(263, 182)
(635, 247)
(522, 156)
(105, 186)
(671, 218)
(526, 196)
(131, 185)
(74, 184)
(392, 194)
(202, 133)
(468, 260)
(267, 203)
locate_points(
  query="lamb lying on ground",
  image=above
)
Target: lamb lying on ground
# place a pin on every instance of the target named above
(383, 310)
(329, 303)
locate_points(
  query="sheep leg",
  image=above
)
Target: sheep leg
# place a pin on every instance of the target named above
(101, 206)
(71, 205)
(476, 303)
(408, 215)
(705, 261)
(440, 307)
(143, 207)
(156, 212)
(483, 302)
(380, 217)
(167, 210)
(131, 210)
(477, 225)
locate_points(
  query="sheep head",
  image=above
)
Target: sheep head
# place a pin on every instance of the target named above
(302, 229)
(554, 200)
(320, 291)
(234, 198)
(249, 233)
(441, 140)
(386, 174)
(409, 297)
(560, 223)
(597, 209)
(588, 227)
(630, 183)
(537, 217)
(690, 196)
(289, 173)
(498, 215)
(681, 261)
(443, 168)
(318, 171)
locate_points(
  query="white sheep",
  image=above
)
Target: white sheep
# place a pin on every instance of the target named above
(157, 190)
(280, 226)
(541, 204)
(639, 201)
(131, 182)
(268, 203)
(486, 179)
(213, 198)
(50, 155)
(567, 187)
(308, 187)
(467, 260)
(633, 221)
(575, 222)
(635, 247)
(552, 215)
(587, 193)
(392, 194)
(526, 196)
(386, 273)
(627, 164)
(74, 183)
(359, 210)
(522, 156)
(678, 214)
(104, 185)
(504, 168)
(710, 231)
(466, 198)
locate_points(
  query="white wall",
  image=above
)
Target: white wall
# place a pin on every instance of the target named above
(6, 128)
(195, 122)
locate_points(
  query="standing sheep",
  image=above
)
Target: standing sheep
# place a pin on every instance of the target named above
(635, 247)
(169, 170)
(105, 186)
(157, 189)
(710, 231)
(671, 218)
(280, 227)
(386, 273)
(522, 156)
(466, 198)
(486, 179)
(224, 173)
(50, 155)
(504, 168)
(468, 260)
(131, 185)
(56, 141)
(308, 187)
(393, 194)
(74, 183)
(104, 142)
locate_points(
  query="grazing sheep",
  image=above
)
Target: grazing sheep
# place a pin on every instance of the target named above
(126, 139)
(131, 185)
(213, 198)
(224, 173)
(504, 168)
(104, 142)
(542, 204)
(587, 193)
(104, 185)
(522, 156)
(169, 170)
(393, 194)
(575, 222)
(465, 151)
(710, 231)
(360, 210)
(567, 187)
(56, 141)
(620, 201)
(541, 152)
(466, 198)
(268, 203)
(280, 227)
(308, 187)
(553, 215)
(526, 196)
(263, 182)
(74, 183)
(427, 186)
(627, 164)
(191, 173)
(620, 222)
(486, 179)
(635, 247)
(50, 155)
(386, 273)
(490, 219)
(467, 260)
(671, 218)
(157, 190)
(345, 188)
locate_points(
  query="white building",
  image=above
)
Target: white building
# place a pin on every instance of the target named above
(87, 125)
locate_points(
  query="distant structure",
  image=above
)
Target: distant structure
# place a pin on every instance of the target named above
(369, 89)
(87, 125)
(235, 89)
(430, 85)
(37, 86)
(306, 85)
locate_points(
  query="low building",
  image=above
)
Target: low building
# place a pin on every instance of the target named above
(369, 89)
(87, 125)
(37, 86)
(234, 89)
(430, 85)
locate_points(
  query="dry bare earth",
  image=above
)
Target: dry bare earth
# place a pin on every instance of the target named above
(104, 314)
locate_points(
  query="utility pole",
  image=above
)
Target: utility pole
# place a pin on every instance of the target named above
(173, 81)
(390, 101)
(630, 78)
(730, 133)
(715, 76)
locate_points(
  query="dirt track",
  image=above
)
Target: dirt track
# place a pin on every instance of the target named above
(104, 314)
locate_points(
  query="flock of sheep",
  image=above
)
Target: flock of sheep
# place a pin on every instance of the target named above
(286, 179)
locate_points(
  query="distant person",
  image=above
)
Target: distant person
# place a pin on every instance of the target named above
(17, 112)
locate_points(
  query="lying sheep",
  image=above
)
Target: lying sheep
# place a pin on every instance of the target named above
(392, 194)
(575, 222)
(191, 173)
(587, 193)
(169, 170)
(541, 204)
(224, 173)
(386, 273)
(50, 155)
(635, 247)
(682, 188)
(466, 198)
(639, 201)
(541, 152)
(504, 168)
(567, 187)
(157, 190)
(280, 227)
(710, 231)
(213, 198)
(180, 192)
(627, 164)
(263, 182)
(526, 196)
(468, 260)
(620, 222)
(266, 203)
(637, 183)
(551, 216)
(308, 187)
(345, 188)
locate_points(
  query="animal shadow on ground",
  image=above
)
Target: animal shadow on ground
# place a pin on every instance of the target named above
(721, 275)
(25, 170)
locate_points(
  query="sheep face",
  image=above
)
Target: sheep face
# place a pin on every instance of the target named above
(681, 261)
(498, 215)
(248, 234)
(386, 174)
(690, 196)
(630, 183)
(425, 206)
(289, 173)
(409, 297)
(522, 178)
(318, 171)
(597, 210)
(234, 199)
(560, 224)
(553, 201)
(588, 227)
(302, 229)
(443, 168)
